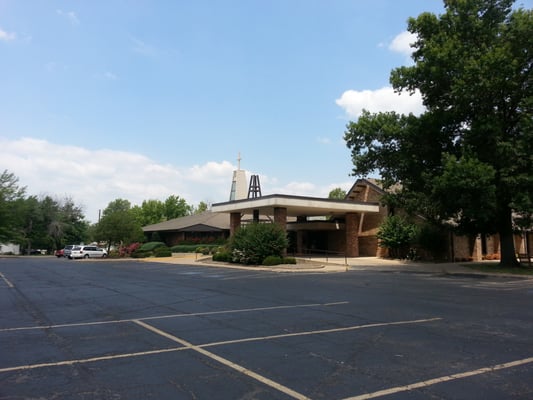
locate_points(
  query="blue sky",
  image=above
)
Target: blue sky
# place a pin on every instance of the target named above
(142, 99)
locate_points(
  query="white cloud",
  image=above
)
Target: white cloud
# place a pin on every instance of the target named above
(110, 76)
(70, 16)
(402, 43)
(93, 178)
(140, 47)
(381, 100)
(311, 189)
(7, 36)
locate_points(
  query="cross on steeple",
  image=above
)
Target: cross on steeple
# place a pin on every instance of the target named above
(239, 161)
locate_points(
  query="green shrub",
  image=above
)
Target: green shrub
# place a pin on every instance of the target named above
(194, 248)
(223, 256)
(204, 250)
(140, 254)
(252, 243)
(184, 248)
(396, 234)
(275, 260)
(289, 260)
(151, 246)
(113, 254)
(162, 252)
(272, 260)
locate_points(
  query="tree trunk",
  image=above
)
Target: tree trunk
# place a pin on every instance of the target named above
(505, 230)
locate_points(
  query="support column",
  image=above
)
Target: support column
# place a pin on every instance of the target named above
(352, 235)
(234, 222)
(280, 218)
(301, 235)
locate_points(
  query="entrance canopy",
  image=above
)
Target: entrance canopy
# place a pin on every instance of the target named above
(296, 206)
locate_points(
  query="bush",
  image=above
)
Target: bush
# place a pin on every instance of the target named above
(113, 254)
(194, 248)
(151, 246)
(184, 248)
(252, 243)
(395, 233)
(140, 254)
(273, 260)
(162, 252)
(203, 250)
(223, 256)
(127, 251)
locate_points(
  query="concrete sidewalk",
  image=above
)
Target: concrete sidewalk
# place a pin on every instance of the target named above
(334, 264)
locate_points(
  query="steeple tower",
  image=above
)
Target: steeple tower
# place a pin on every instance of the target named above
(238, 184)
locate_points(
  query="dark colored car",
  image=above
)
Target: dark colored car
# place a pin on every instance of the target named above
(60, 253)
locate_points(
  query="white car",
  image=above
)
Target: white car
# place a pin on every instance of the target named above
(87, 252)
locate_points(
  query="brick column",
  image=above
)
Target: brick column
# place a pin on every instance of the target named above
(280, 218)
(234, 222)
(352, 235)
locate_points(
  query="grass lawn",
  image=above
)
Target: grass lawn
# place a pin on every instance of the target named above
(495, 268)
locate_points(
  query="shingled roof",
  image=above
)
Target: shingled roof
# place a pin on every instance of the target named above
(206, 221)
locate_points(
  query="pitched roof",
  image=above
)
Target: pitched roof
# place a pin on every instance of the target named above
(202, 221)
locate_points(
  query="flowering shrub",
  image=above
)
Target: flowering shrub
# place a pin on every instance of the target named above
(252, 243)
(126, 251)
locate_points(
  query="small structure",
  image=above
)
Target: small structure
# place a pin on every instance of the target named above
(9, 248)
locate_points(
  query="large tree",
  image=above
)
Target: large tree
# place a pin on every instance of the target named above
(118, 224)
(469, 157)
(11, 196)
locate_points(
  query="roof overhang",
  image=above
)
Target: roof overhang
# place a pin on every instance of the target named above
(295, 206)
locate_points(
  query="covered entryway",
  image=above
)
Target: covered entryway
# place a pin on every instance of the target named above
(309, 221)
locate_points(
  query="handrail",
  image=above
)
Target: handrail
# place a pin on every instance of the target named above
(307, 251)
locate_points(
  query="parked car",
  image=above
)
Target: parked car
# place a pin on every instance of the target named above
(60, 253)
(66, 251)
(87, 252)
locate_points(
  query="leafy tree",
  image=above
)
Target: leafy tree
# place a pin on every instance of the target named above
(150, 212)
(202, 207)
(118, 224)
(176, 207)
(10, 195)
(155, 211)
(396, 234)
(337, 193)
(469, 156)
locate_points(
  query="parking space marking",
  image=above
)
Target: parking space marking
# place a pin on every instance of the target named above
(93, 359)
(7, 282)
(120, 321)
(322, 331)
(226, 362)
(201, 346)
(442, 379)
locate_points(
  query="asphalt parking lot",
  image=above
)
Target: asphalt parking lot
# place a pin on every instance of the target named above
(140, 330)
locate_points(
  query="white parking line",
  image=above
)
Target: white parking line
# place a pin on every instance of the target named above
(244, 340)
(90, 360)
(8, 283)
(120, 321)
(228, 363)
(429, 382)
(333, 330)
